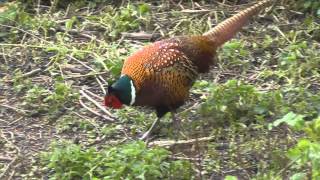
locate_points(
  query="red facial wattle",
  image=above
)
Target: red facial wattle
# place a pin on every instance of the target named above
(112, 102)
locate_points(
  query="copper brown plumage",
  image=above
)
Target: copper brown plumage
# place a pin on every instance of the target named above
(161, 74)
(168, 69)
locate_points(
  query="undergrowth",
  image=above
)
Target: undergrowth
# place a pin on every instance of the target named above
(130, 161)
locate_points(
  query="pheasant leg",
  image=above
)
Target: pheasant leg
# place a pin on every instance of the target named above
(175, 121)
(147, 134)
(176, 125)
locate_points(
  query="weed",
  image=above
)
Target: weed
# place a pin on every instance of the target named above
(235, 101)
(114, 59)
(234, 54)
(110, 130)
(41, 100)
(131, 161)
(123, 19)
(306, 153)
(70, 123)
(19, 83)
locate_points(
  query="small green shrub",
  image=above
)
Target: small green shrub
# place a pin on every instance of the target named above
(124, 19)
(305, 155)
(129, 161)
(70, 123)
(235, 54)
(236, 101)
(299, 60)
(36, 94)
(40, 100)
(302, 101)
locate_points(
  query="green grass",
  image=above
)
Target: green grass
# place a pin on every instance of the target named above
(261, 105)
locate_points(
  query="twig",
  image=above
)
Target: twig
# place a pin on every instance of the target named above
(83, 64)
(90, 68)
(94, 112)
(96, 103)
(11, 175)
(185, 158)
(140, 35)
(7, 168)
(101, 85)
(2, 175)
(3, 25)
(21, 111)
(180, 142)
(15, 121)
(195, 11)
(84, 75)
(282, 34)
(87, 119)
(28, 74)
(60, 69)
(1, 120)
(92, 94)
(2, 158)
(74, 31)
(22, 45)
(4, 56)
(33, 72)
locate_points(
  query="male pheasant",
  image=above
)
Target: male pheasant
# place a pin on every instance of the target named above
(161, 74)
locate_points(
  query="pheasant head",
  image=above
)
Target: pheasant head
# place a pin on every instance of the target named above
(120, 92)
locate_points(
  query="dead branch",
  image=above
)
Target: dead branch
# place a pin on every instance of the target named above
(96, 103)
(164, 143)
(95, 112)
(20, 111)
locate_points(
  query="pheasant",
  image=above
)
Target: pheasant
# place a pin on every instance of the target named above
(161, 74)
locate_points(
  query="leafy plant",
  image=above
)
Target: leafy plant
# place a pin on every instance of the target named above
(306, 153)
(129, 161)
(123, 19)
(292, 119)
(36, 94)
(42, 100)
(69, 123)
(236, 101)
(234, 52)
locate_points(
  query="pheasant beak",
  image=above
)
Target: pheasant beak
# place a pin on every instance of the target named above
(112, 101)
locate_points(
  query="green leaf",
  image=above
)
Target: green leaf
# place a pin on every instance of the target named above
(307, 4)
(69, 23)
(298, 176)
(144, 8)
(292, 119)
(299, 150)
(230, 178)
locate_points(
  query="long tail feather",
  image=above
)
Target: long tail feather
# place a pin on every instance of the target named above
(225, 30)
